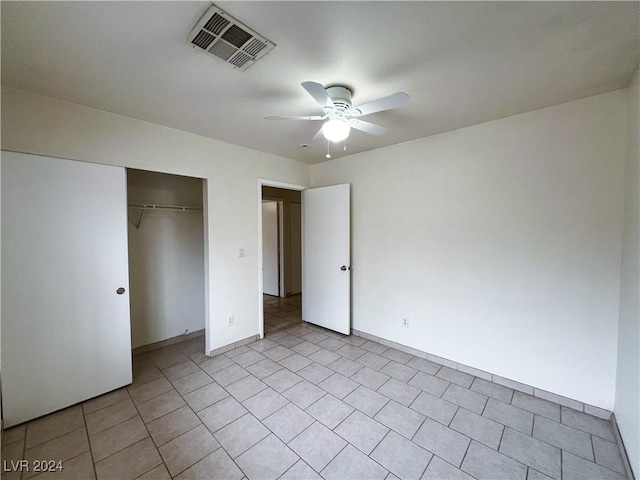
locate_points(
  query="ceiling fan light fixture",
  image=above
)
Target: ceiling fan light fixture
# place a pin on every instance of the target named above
(336, 130)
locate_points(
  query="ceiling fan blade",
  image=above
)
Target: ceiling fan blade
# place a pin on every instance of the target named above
(396, 100)
(367, 127)
(299, 117)
(319, 94)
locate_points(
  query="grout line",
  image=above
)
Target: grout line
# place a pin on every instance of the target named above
(24, 440)
(622, 449)
(186, 404)
(294, 463)
(148, 433)
(250, 447)
(383, 437)
(129, 446)
(520, 461)
(426, 467)
(465, 454)
(333, 458)
(486, 402)
(504, 429)
(445, 390)
(304, 430)
(24, 446)
(418, 429)
(63, 462)
(458, 407)
(561, 453)
(220, 446)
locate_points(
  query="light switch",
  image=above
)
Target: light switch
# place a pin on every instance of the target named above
(241, 252)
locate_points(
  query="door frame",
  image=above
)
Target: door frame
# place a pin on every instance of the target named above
(279, 245)
(205, 238)
(262, 182)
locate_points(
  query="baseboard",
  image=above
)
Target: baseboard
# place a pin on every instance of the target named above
(623, 450)
(231, 346)
(165, 343)
(521, 387)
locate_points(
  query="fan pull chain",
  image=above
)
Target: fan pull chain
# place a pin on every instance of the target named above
(328, 155)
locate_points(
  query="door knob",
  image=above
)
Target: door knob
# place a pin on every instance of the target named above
(345, 268)
(120, 291)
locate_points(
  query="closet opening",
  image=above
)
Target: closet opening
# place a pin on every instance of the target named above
(166, 261)
(281, 217)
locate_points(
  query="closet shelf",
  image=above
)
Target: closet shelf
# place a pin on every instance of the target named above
(148, 206)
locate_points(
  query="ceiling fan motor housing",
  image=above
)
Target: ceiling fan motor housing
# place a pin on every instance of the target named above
(341, 97)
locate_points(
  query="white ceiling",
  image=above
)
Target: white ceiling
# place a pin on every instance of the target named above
(462, 63)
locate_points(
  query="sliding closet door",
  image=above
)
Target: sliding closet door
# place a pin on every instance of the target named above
(65, 301)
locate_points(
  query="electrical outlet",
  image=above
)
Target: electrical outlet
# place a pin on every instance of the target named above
(231, 321)
(405, 322)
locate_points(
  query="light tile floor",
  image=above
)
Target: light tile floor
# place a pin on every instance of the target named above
(306, 403)
(281, 313)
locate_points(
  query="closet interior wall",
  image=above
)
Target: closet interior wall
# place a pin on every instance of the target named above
(166, 256)
(291, 246)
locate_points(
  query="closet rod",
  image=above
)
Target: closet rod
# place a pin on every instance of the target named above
(148, 206)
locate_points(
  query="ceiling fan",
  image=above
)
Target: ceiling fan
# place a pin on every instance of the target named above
(340, 115)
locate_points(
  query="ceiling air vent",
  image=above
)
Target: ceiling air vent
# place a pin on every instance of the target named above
(221, 35)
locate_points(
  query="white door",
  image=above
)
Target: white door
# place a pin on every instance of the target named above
(270, 259)
(66, 335)
(326, 295)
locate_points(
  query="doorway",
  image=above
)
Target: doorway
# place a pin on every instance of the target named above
(325, 258)
(281, 258)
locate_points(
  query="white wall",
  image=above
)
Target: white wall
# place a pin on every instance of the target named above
(500, 242)
(43, 125)
(627, 405)
(166, 257)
